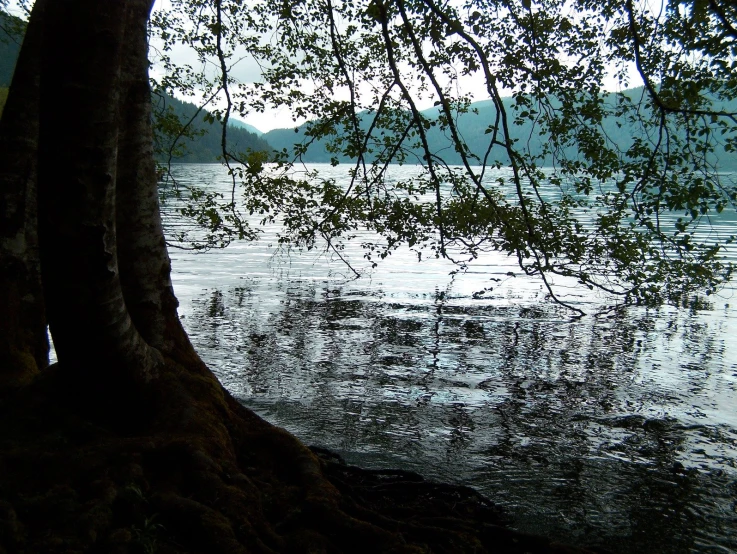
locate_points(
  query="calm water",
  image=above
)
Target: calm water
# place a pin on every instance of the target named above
(618, 430)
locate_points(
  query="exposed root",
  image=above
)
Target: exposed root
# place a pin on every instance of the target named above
(183, 467)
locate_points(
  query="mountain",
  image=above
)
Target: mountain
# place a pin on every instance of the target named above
(472, 126)
(205, 146)
(202, 147)
(282, 139)
(11, 37)
(204, 143)
(237, 123)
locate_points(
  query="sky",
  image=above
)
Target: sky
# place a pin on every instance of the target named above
(246, 70)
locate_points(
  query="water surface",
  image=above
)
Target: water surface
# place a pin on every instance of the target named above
(616, 430)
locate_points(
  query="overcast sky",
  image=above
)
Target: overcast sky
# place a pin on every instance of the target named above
(245, 70)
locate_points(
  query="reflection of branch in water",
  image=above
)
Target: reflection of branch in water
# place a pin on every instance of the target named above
(282, 256)
(436, 335)
(582, 439)
(440, 299)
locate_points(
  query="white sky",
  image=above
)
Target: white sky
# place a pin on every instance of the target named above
(247, 71)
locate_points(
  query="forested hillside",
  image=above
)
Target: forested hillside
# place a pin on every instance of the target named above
(242, 125)
(473, 126)
(10, 40)
(201, 141)
(11, 36)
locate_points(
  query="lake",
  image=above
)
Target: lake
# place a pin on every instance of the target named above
(617, 430)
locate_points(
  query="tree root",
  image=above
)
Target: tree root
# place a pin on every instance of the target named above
(182, 467)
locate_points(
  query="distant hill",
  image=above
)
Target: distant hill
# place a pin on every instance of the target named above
(472, 127)
(205, 146)
(11, 37)
(243, 137)
(243, 125)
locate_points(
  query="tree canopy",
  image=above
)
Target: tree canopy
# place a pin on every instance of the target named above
(363, 74)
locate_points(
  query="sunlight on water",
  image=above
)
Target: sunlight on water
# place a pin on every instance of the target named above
(618, 430)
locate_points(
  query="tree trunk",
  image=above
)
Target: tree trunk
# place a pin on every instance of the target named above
(24, 346)
(144, 262)
(78, 147)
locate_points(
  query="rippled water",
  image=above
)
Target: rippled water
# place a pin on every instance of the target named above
(618, 431)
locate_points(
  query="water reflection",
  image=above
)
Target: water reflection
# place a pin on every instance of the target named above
(618, 431)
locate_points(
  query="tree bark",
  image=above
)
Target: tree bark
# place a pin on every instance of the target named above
(145, 268)
(24, 346)
(78, 147)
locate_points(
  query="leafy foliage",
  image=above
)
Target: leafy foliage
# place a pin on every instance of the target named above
(185, 133)
(360, 71)
(516, 174)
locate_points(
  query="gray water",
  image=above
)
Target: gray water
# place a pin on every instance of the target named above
(617, 430)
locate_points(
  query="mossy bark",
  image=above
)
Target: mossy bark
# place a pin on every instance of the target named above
(143, 259)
